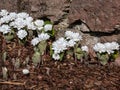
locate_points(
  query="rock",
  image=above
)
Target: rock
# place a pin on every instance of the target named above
(110, 38)
(52, 9)
(99, 15)
(10, 5)
(117, 61)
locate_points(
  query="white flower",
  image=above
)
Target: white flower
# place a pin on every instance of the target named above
(84, 48)
(19, 23)
(5, 29)
(5, 19)
(72, 35)
(29, 20)
(31, 26)
(39, 23)
(21, 34)
(115, 46)
(99, 47)
(8, 18)
(71, 43)
(108, 47)
(56, 56)
(4, 12)
(35, 41)
(48, 27)
(43, 36)
(25, 71)
(22, 15)
(60, 45)
(12, 16)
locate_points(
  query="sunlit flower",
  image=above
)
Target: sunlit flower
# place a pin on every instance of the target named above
(56, 56)
(60, 45)
(48, 27)
(19, 23)
(4, 12)
(72, 35)
(5, 29)
(84, 48)
(99, 47)
(106, 47)
(29, 20)
(35, 41)
(115, 46)
(43, 36)
(12, 16)
(71, 43)
(31, 26)
(22, 15)
(21, 34)
(39, 23)
(5, 19)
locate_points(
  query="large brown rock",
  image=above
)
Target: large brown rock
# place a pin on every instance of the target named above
(99, 15)
(10, 5)
(52, 9)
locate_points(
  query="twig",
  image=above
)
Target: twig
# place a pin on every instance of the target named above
(12, 83)
(33, 87)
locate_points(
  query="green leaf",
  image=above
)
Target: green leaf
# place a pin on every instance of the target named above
(114, 55)
(103, 57)
(104, 62)
(42, 47)
(79, 56)
(61, 56)
(48, 22)
(36, 58)
(79, 51)
(9, 37)
(51, 51)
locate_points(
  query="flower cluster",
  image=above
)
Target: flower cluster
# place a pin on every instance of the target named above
(62, 43)
(85, 48)
(41, 37)
(21, 23)
(106, 47)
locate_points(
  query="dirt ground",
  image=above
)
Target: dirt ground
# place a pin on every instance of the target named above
(55, 75)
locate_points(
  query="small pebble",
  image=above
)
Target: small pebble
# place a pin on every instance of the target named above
(25, 71)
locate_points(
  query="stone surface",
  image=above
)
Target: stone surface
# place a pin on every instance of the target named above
(110, 38)
(10, 5)
(99, 15)
(52, 9)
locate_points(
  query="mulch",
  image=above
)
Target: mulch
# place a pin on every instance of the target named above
(58, 75)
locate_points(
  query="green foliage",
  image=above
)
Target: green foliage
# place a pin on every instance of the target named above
(103, 57)
(42, 47)
(48, 22)
(114, 55)
(79, 53)
(9, 36)
(4, 56)
(36, 58)
(61, 56)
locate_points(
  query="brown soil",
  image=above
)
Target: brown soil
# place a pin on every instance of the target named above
(55, 75)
